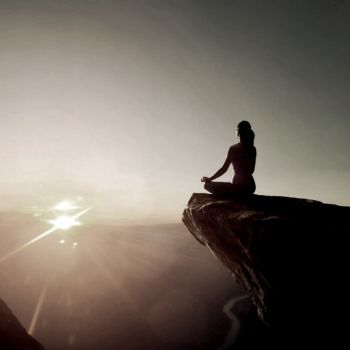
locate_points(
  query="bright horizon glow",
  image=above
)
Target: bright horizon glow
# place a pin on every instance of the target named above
(65, 206)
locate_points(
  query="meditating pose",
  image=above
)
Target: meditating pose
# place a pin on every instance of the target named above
(242, 156)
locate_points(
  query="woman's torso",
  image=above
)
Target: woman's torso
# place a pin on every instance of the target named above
(243, 160)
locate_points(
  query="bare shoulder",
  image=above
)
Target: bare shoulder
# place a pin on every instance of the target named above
(235, 150)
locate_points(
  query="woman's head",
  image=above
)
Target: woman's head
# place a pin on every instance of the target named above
(245, 133)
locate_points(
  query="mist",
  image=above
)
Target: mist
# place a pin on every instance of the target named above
(133, 287)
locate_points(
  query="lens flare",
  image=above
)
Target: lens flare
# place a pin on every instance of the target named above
(57, 224)
(64, 222)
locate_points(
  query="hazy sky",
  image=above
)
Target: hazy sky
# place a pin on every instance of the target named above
(130, 103)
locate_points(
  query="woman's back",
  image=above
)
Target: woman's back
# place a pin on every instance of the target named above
(243, 159)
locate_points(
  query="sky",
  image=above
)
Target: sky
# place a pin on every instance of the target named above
(127, 104)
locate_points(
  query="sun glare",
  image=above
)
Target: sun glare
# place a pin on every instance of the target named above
(65, 222)
(65, 206)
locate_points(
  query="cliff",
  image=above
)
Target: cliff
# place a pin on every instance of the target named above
(289, 254)
(12, 335)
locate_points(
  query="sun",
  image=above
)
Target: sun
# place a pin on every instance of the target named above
(65, 222)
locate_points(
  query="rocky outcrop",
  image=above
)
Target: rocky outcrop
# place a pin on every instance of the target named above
(12, 335)
(290, 254)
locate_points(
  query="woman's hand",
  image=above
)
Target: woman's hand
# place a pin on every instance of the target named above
(205, 179)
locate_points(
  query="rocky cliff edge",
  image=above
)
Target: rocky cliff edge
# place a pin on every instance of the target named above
(290, 254)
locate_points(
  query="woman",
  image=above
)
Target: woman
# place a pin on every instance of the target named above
(242, 156)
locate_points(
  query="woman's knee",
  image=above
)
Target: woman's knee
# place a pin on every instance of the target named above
(207, 186)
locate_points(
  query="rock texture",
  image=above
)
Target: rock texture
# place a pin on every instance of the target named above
(12, 335)
(290, 254)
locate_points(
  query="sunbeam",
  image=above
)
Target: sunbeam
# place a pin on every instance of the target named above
(37, 310)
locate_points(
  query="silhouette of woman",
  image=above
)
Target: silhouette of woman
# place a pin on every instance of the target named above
(242, 156)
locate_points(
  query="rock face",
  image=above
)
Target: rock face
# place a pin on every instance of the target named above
(12, 335)
(289, 254)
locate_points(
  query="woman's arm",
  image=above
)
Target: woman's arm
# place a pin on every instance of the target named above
(221, 171)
